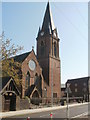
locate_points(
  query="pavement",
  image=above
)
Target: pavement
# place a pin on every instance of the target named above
(27, 111)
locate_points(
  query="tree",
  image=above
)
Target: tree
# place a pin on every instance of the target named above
(8, 66)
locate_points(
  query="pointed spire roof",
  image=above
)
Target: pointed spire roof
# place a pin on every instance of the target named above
(48, 24)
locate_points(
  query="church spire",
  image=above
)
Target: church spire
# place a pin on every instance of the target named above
(48, 24)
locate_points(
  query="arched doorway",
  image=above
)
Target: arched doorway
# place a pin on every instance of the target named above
(35, 94)
(35, 98)
(10, 101)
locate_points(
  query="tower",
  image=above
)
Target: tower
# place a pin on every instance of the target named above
(48, 55)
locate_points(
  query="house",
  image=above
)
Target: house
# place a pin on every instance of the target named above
(63, 90)
(80, 87)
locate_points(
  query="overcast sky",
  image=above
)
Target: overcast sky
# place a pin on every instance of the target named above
(21, 21)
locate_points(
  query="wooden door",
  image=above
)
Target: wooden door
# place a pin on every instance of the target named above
(7, 105)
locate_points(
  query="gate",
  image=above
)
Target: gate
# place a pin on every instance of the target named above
(10, 102)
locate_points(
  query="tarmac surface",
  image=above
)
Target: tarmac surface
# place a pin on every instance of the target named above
(36, 111)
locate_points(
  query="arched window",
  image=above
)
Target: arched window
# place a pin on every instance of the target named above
(40, 81)
(55, 49)
(28, 79)
(36, 79)
(42, 50)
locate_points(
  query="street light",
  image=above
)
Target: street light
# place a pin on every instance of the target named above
(45, 92)
(52, 85)
(68, 90)
(45, 95)
(52, 75)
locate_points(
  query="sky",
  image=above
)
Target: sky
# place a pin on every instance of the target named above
(21, 21)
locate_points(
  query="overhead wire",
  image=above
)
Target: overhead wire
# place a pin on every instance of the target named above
(78, 11)
(66, 18)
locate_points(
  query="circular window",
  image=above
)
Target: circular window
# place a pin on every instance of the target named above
(32, 65)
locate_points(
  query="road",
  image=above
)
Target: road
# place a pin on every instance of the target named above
(74, 111)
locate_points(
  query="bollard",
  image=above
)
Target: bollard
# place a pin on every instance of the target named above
(51, 115)
(28, 118)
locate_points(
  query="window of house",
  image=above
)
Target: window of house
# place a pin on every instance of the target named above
(84, 84)
(84, 89)
(75, 84)
(55, 95)
(75, 89)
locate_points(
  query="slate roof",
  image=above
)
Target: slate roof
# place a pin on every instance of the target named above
(76, 79)
(21, 57)
(4, 81)
(48, 24)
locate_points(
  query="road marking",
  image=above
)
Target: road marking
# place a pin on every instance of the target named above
(45, 115)
(80, 115)
(48, 114)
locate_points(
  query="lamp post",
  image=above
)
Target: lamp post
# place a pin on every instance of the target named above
(45, 95)
(68, 91)
(52, 74)
(52, 85)
(67, 105)
(45, 92)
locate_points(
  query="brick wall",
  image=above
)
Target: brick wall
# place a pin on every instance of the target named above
(25, 68)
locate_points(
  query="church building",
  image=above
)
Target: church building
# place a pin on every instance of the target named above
(41, 75)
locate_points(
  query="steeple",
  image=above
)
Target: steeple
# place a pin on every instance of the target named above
(48, 54)
(48, 24)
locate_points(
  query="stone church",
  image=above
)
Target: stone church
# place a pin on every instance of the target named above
(41, 75)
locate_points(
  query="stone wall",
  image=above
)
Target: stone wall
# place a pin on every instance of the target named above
(2, 106)
(24, 104)
(17, 103)
(20, 104)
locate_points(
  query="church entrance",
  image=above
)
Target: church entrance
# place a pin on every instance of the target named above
(35, 94)
(35, 98)
(10, 102)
